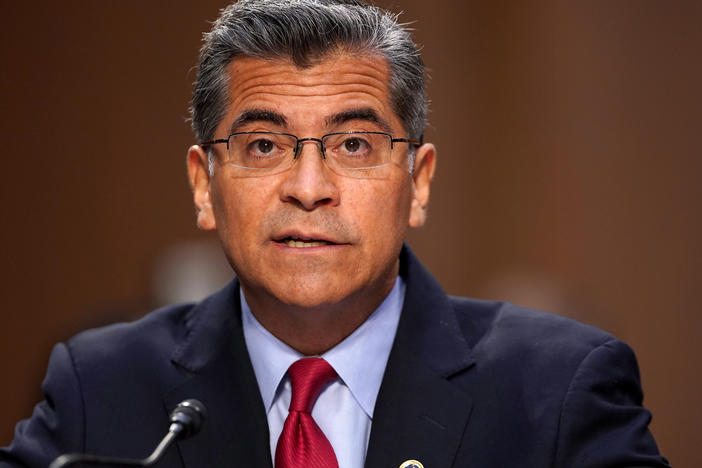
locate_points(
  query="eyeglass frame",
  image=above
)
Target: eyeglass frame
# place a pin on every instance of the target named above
(322, 149)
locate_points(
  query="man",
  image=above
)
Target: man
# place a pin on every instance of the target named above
(310, 167)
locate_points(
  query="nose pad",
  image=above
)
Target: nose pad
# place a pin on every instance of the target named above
(302, 141)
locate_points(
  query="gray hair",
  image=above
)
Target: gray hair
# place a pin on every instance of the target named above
(305, 31)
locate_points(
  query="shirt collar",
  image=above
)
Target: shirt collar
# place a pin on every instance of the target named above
(359, 360)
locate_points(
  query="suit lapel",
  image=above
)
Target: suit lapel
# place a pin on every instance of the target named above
(419, 413)
(217, 371)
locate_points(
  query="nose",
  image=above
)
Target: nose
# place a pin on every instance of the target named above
(309, 183)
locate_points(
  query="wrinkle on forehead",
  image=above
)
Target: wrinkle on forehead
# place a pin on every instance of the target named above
(359, 79)
(369, 69)
(300, 83)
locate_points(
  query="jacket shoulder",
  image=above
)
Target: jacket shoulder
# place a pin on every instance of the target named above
(529, 353)
(131, 357)
(513, 330)
(550, 380)
(152, 335)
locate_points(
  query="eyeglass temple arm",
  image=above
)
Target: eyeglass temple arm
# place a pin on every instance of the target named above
(214, 142)
(415, 143)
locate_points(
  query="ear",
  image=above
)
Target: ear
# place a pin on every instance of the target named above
(199, 176)
(422, 175)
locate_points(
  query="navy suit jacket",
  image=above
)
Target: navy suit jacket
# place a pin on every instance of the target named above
(468, 384)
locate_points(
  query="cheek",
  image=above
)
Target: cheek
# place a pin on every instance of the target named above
(238, 205)
(383, 209)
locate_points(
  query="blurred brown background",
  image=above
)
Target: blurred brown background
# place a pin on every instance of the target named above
(569, 138)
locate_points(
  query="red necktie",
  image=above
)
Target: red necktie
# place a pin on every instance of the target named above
(302, 443)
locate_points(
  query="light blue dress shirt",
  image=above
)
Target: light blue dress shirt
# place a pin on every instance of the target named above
(344, 409)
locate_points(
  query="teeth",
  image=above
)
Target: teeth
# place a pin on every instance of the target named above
(302, 244)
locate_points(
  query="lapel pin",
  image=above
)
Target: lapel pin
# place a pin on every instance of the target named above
(411, 464)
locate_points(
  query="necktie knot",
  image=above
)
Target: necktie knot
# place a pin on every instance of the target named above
(308, 376)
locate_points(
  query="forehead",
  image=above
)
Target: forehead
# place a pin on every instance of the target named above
(337, 83)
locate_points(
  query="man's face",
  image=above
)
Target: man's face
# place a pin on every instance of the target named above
(347, 231)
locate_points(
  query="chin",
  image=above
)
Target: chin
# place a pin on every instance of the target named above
(310, 295)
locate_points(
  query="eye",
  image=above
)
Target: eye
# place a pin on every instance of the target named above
(355, 146)
(357, 150)
(262, 146)
(352, 145)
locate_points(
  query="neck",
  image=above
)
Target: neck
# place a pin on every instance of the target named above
(314, 330)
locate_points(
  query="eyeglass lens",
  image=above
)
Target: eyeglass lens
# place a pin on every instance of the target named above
(270, 151)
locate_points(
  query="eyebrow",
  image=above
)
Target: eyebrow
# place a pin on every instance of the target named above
(366, 113)
(257, 115)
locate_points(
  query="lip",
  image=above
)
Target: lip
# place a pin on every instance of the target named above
(321, 249)
(330, 243)
(307, 237)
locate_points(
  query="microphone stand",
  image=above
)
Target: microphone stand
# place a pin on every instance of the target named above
(186, 420)
(74, 458)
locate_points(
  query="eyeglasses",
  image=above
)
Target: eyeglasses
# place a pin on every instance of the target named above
(351, 153)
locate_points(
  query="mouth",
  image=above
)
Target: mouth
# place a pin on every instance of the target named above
(304, 242)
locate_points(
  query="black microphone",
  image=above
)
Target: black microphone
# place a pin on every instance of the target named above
(186, 421)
